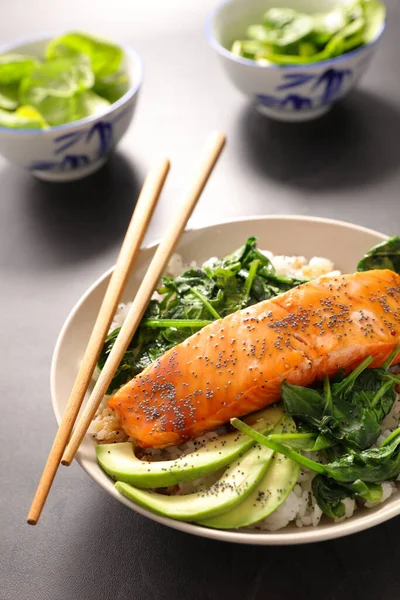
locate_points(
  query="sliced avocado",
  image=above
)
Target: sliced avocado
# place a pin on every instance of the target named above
(120, 462)
(237, 482)
(266, 497)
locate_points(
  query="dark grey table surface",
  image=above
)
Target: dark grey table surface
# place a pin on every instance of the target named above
(55, 240)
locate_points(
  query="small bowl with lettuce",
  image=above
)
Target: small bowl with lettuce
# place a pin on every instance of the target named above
(65, 102)
(295, 58)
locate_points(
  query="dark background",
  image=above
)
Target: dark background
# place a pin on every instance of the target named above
(55, 240)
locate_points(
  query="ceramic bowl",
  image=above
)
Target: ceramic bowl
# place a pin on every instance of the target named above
(74, 150)
(285, 93)
(341, 242)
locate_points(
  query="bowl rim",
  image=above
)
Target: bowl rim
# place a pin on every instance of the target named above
(214, 43)
(303, 536)
(132, 91)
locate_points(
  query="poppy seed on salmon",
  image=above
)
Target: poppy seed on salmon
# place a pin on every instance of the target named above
(315, 329)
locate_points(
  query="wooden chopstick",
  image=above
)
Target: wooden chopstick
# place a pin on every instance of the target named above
(129, 250)
(150, 280)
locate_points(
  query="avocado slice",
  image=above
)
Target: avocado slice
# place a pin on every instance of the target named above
(236, 483)
(266, 497)
(120, 462)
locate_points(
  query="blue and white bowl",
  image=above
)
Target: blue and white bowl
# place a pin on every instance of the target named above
(74, 150)
(284, 92)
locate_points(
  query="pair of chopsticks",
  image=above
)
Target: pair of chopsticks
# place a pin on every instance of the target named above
(65, 446)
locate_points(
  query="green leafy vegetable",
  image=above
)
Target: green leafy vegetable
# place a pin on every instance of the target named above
(371, 466)
(80, 76)
(54, 88)
(327, 25)
(9, 96)
(286, 36)
(385, 255)
(106, 58)
(90, 103)
(348, 412)
(330, 495)
(282, 32)
(278, 18)
(112, 87)
(344, 420)
(353, 471)
(21, 120)
(310, 442)
(195, 299)
(13, 67)
(375, 15)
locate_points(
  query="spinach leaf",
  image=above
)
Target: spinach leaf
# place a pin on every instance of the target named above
(194, 299)
(349, 411)
(106, 57)
(281, 31)
(286, 36)
(112, 87)
(309, 442)
(375, 15)
(385, 255)
(54, 88)
(278, 18)
(89, 103)
(330, 495)
(247, 48)
(80, 76)
(21, 119)
(353, 471)
(371, 466)
(327, 25)
(9, 96)
(13, 67)
(346, 39)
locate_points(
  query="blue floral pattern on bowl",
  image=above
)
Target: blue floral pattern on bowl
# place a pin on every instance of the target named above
(98, 139)
(325, 88)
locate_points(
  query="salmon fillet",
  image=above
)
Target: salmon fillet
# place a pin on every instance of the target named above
(236, 365)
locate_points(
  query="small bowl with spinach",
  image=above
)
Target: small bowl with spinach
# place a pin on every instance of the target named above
(295, 58)
(65, 102)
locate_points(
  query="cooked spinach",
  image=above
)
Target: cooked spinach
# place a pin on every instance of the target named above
(310, 442)
(342, 420)
(353, 474)
(195, 299)
(371, 466)
(349, 411)
(385, 255)
(330, 495)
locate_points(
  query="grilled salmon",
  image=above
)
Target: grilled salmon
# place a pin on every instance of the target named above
(235, 365)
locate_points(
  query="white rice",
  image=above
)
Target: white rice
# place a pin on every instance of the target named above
(300, 507)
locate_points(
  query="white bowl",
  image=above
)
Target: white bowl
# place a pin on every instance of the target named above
(343, 243)
(74, 150)
(284, 92)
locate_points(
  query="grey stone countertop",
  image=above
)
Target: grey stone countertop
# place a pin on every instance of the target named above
(55, 240)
